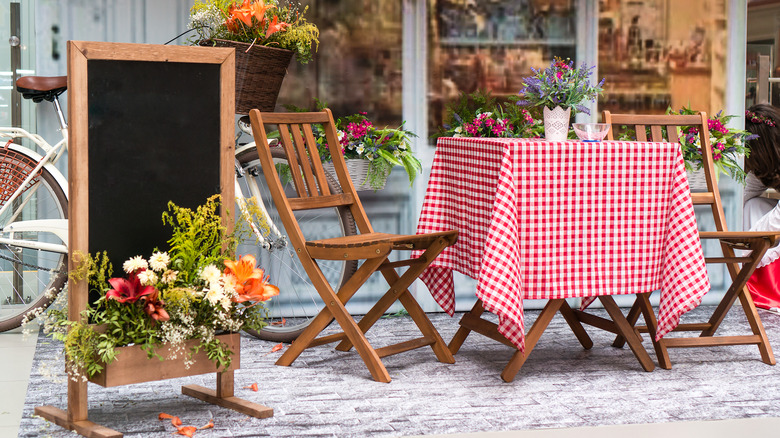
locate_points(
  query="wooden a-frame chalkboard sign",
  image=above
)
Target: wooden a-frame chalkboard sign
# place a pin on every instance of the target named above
(148, 124)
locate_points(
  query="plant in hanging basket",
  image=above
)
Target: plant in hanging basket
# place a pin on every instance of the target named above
(174, 305)
(265, 35)
(271, 23)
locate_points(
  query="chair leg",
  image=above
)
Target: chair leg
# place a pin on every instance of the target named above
(531, 338)
(399, 291)
(767, 356)
(334, 308)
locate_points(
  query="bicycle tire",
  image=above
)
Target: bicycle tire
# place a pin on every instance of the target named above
(24, 283)
(298, 301)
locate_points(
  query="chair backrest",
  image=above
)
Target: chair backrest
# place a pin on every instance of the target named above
(297, 138)
(666, 128)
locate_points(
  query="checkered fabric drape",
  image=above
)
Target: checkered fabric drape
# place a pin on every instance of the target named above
(543, 220)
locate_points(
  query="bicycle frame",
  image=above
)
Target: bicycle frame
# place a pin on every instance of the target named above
(274, 238)
(52, 154)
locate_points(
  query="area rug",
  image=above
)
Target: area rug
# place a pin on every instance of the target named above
(327, 393)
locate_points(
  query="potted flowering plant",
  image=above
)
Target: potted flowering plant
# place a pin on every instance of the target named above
(479, 115)
(728, 144)
(370, 152)
(559, 88)
(186, 304)
(265, 33)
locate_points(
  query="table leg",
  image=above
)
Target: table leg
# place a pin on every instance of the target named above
(576, 326)
(463, 332)
(531, 338)
(625, 329)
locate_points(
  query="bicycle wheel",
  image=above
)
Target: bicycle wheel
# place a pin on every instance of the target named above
(298, 301)
(33, 264)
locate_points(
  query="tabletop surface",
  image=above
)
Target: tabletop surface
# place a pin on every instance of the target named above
(544, 220)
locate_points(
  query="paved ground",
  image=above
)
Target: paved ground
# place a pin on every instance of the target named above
(330, 394)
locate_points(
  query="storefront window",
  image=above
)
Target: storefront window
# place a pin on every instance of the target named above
(358, 64)
(492, 46)
(660, 53)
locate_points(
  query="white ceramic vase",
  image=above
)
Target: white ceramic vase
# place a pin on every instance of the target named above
(556, 123)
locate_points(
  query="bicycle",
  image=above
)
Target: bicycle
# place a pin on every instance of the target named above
(34, 230)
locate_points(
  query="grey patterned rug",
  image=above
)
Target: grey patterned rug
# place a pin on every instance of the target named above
(327, 393)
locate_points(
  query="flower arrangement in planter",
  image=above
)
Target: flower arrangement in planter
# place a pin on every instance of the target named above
(177, 301)
(479, 114)
(728, 144)
(265, 33)
(559, 89)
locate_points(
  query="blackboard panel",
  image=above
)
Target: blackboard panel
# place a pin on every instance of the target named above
(154, 137)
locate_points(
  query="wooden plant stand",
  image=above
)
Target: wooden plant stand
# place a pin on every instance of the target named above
(212, 92)
(133, 366)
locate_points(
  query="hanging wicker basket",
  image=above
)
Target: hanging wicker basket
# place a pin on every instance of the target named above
(260, 71)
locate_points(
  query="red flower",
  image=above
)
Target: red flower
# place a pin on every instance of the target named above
(154, 308)
(128, 290)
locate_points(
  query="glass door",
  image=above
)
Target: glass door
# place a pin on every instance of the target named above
(17, 58)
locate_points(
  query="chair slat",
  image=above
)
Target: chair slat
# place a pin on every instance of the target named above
(671, 134)
(657, 133)
(303, 155)
(641, 133)
(316, 161)
(295, 167)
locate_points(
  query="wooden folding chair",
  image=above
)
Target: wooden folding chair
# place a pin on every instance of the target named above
(312, 193)
(755, 242)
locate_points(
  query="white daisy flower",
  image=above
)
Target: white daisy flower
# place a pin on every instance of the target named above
(214, 295)
(169, 276)
(147, 277)
(210, 274)
(159, 261)
(134, 264)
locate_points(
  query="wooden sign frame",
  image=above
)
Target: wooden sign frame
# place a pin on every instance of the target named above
(81, 105)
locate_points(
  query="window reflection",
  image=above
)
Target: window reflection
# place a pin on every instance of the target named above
(358, 64)
(492, 45)
(660, 53)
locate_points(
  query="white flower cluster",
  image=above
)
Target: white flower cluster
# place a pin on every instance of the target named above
(158, 263)
(220, 288)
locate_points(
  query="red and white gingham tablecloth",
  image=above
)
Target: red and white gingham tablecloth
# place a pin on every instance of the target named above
(545, 220)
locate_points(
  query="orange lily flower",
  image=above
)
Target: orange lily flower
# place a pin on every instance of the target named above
(243, 13)
(249, 282)
(275, 26)
(258, 9)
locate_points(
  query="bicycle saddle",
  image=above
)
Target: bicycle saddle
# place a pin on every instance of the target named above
(40, 88)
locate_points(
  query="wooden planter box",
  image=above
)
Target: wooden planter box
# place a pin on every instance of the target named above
(133, 365)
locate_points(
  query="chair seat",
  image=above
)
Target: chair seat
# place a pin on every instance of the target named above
(370, 245)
